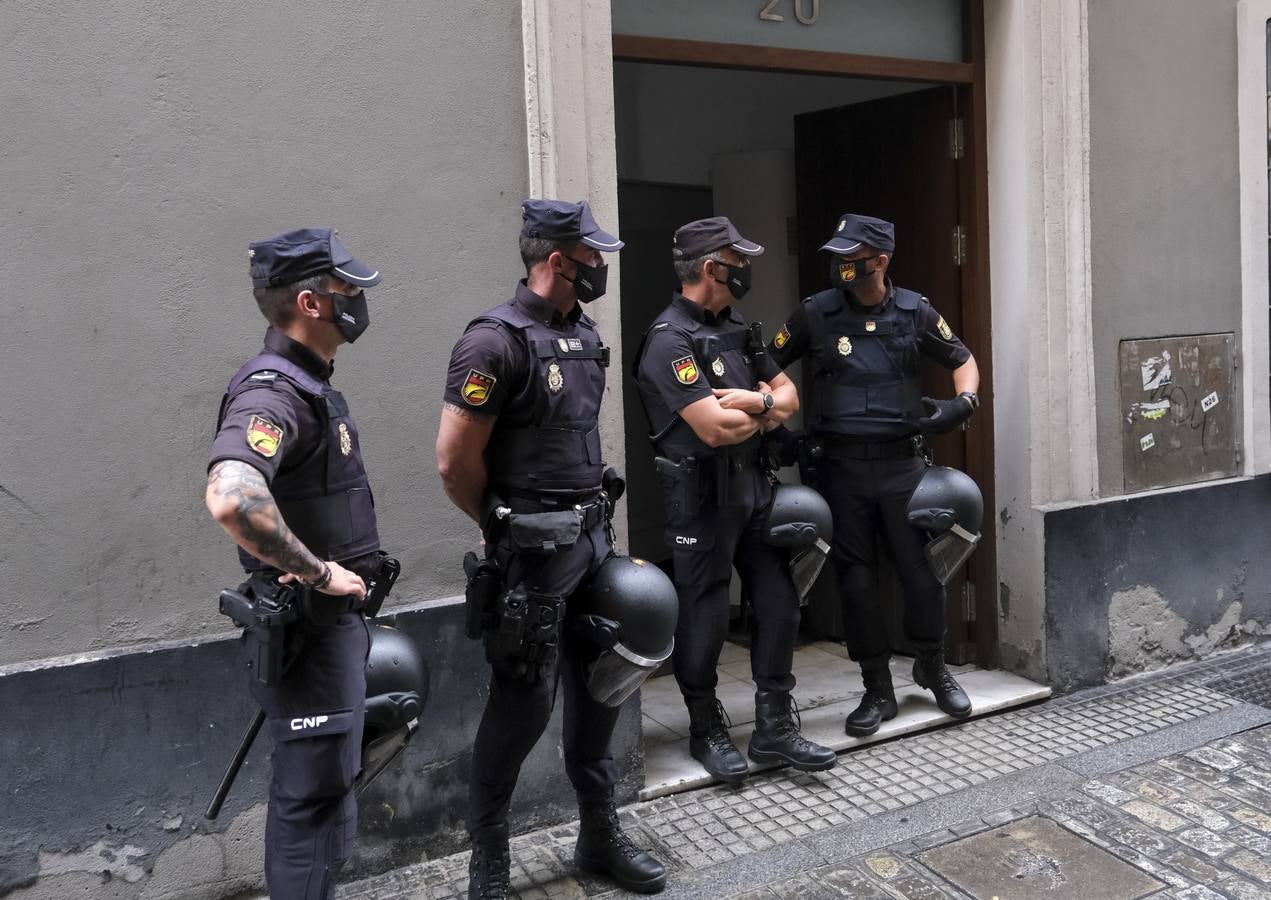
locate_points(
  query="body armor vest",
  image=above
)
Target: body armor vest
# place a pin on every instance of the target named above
(725, 352)
(325, 499)
(558, 448)
(867, 381)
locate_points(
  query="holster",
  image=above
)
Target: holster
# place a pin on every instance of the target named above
(381, 584)
(811, 455)
(683, 479)
(526, 631)
(264, 609)
(485, 582)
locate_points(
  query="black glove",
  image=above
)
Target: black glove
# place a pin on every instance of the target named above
(946, 415)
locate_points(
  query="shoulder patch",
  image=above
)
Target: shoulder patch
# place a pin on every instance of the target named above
(660, 326)
(685, 369)
(782, 338)
(945, 331)
(264, 436)
(477, 387)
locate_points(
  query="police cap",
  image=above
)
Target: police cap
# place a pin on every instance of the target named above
(296, 255)
(854, 232)
(707, 235)
(556, 220)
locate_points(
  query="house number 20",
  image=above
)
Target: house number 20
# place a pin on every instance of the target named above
(800, 11)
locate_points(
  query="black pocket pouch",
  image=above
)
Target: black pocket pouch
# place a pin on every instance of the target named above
(544, 532)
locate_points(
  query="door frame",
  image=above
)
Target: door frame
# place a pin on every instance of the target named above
(968, 77)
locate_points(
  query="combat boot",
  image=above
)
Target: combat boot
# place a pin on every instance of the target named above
(605, 849)
(776, 738)
(879, 703)
(930, 673)
(488, 875)
(709, 743)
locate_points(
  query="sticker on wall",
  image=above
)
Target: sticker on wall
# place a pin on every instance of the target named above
(1156, 371)
(1154, 410)
(1209, 401)
(1147, 442)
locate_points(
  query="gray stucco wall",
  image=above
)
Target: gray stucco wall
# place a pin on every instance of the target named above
(1164, 185)
(142, 147)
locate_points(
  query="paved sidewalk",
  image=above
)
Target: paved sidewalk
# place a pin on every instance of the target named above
(1155, 786)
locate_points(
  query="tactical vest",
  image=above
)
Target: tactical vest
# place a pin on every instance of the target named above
(726, 355)
(867, 381)
(326, 500)
(560, 449)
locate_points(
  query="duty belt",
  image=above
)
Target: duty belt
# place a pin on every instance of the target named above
(841, 449)
(590, 504)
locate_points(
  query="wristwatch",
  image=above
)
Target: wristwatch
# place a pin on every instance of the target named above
(972, 398)
(768, 402)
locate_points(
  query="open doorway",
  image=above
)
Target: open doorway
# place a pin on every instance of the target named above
(783, 154)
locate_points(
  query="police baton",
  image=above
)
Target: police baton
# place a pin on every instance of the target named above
(227, 780)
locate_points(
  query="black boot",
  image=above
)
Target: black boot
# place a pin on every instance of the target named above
(709, 742)
(488, 877)
(879, 703)
(603, 848)
(776, 738)
(930, 673)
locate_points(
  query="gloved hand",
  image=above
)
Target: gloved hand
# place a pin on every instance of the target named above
(945, 415)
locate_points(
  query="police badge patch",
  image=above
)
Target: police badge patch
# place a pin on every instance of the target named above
(477, 387)
(718, 367)
(845, 345)
(945, 331)
(555, 380)
(346, 440)
(263, 436)
(685, 370)
(847, 271)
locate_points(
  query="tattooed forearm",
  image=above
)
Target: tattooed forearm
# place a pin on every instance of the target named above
(239, 498)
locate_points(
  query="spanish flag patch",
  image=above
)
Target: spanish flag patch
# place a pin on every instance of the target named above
(782, 338)
(264, 436)
(477, 387)
(685, 369)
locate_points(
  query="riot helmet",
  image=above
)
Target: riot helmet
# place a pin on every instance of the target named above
(396, 691)
(948, 505)
(627, 627)
(799, 518)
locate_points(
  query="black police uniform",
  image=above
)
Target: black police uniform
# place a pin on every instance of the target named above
(687, 352)
(281, 416)
(864, 399)
(543, 376)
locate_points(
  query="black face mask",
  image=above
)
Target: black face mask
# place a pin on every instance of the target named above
(738, 281)
(350, 315)
(589, 281)
(846, 275)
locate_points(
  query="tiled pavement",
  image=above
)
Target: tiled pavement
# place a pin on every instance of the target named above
(1162, 773)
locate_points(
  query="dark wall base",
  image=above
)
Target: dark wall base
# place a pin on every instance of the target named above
(127, 750)
(1137, 583)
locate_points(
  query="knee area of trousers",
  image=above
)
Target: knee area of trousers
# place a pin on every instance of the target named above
(858, 581)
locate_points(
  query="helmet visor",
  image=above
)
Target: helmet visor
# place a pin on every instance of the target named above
(806, 565)
(947, 552)
(618, 672)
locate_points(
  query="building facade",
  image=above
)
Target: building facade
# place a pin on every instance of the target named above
(1103, 240)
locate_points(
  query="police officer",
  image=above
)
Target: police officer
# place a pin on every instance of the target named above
(286, 481)
(709, 391)
(519, 436)
(865, 338)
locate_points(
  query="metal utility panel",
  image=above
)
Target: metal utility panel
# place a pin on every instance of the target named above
(1178, 410)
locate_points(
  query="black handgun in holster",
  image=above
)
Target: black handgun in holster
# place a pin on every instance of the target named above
(684, 480)
(264, 609)
(755, 345)
(380, 585)
(485, 583)
(811, 458)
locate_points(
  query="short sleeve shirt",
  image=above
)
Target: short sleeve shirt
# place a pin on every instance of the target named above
(267, 423)
(489, 365)
(935, 338)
